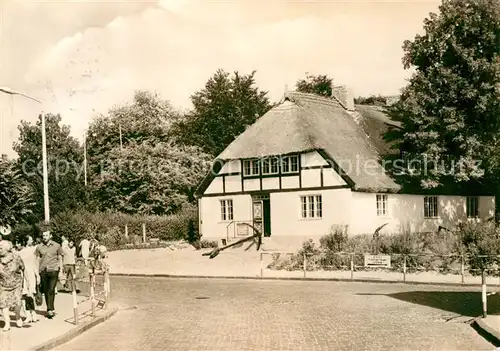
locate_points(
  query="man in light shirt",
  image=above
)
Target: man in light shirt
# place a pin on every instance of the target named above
(85, 250)
(69, 265)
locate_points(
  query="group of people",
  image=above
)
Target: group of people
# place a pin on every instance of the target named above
(30, 269)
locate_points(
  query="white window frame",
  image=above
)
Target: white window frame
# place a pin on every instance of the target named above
(431, 207)
(472, 206)
(226, 210)
(272, 164)
(288, 163)
(250, 167)
(311, 206)
(382, 202)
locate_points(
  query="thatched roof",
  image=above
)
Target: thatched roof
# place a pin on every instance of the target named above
(376, 124)
(305, 122)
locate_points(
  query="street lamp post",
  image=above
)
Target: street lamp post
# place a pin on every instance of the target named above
(85, 157)
(9, 91)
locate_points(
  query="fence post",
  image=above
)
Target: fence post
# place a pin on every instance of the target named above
(483, 293)
(106, 288)
(92, 292)
(352, 266)
(75, 301)
(126, 231)
(404, 268)
(261, 266)
(305, 264)
(462, 268)
(143, 232)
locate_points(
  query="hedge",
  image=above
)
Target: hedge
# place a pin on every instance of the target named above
(109, 228)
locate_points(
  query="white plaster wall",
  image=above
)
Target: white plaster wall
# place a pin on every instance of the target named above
(211, 225)
(407, 212)
(233, 183)
(311, 178)
(286, 212)
(251, 184)
(215, 186)
(312, 159)
(486, 207)
(332, 178)
(231, 166)
(290, 182)
(270, 183)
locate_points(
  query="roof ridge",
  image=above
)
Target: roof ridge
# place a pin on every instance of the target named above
(318, 98)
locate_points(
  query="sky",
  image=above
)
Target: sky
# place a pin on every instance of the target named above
(81, 58)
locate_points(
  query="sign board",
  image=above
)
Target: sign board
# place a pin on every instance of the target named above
(242, 229)
(379, 261)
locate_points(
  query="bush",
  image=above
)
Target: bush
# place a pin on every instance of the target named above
(436, 251)
(480, 239)
(110, 227)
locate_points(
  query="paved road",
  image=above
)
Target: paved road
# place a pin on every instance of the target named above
(189, 314)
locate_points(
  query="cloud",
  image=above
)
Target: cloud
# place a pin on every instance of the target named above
(175, 47)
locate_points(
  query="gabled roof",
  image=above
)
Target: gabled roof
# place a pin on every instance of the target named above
(305, 122)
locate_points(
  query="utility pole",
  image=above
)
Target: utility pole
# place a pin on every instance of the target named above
(45, 171)
(85, 157)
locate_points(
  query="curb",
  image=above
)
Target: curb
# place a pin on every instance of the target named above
(62, 339)
(486, 331)
(380, 281)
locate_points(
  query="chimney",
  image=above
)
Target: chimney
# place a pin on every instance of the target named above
(345, 96)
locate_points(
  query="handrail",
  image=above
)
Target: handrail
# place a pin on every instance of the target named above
(232, 222)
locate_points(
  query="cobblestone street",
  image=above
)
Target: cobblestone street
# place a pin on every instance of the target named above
(210, 314)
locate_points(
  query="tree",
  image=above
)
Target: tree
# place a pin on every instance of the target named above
(15, 194)
(450, 109)
(150, 178)
(223, 109)
(316, 84)
(64, 161)
(151, 173)
(148, 117)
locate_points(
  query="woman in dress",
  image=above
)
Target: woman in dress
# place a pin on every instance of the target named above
(11, 283)
(31, 278)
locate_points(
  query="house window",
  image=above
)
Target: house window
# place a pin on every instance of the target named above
(251, 167)
(382, 205)
(226, 210)
(472, 207)
(290, 164)
(430, 206)
(311, 206)
(270, 166)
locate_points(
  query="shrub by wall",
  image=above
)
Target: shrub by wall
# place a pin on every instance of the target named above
(109, 228)
(424, 251)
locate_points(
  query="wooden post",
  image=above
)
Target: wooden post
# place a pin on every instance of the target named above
(75, 301)
(352, 266)
(126, 231)
(483, 293)
(92, 292)
(106, 288)
(261, 265)
(404, 268)
(305, 264)
(462, 268)
(143, 232)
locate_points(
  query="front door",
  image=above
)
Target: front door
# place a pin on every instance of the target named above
(261, 210)
(257, 214)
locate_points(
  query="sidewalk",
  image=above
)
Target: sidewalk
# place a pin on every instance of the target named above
(47, 334)
(489, 327)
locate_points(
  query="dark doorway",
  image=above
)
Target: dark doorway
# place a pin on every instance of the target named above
(267, 217)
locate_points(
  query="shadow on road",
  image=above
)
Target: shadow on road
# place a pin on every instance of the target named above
(466, 303)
